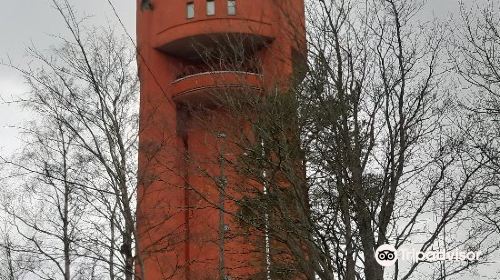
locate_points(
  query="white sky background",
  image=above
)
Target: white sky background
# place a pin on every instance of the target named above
(25, 22)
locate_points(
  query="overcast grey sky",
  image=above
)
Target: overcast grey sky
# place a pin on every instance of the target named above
(23, 22)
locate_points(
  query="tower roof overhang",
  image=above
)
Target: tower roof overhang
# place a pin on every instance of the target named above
(193, 39)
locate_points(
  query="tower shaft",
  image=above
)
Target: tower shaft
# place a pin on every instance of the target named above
(189, 52)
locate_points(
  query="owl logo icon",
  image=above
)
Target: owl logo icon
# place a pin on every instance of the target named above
(386, 255)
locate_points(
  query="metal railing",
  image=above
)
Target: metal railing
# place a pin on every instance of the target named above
(190, 71)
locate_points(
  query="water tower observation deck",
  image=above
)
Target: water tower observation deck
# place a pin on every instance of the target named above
(199, 37)
(187, 29)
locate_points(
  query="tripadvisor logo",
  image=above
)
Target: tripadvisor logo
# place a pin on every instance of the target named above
(387, 255)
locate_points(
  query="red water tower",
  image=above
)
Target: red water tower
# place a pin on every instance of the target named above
(187, 51)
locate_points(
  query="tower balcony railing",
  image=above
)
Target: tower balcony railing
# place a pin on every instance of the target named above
(194, 70)
(206, 87)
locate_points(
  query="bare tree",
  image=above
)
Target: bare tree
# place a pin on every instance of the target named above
(49, 213)
(81, 153)
(9, 271)
(474, 54)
